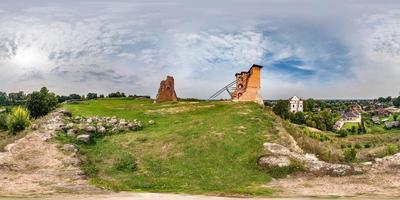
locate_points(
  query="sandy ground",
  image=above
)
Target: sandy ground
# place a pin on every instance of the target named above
(156, 196)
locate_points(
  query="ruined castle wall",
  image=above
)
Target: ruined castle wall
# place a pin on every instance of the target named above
(248, 85)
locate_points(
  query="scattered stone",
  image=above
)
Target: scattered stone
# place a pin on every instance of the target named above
(34, 127)
(115, 130)
(72, 162)
(69, 148)
(151, 122)
(101, 129)
(66, 113)
(90, 129)
(83, 138)
(69, 126)
(113, 121)
(89, 120)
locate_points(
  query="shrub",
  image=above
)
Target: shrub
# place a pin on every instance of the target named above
(125, 162)
(343, 133)
(391, 149)
(350, 154)
(18, 120)
(42, 102)
(3, 121)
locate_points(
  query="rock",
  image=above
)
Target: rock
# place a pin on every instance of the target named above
(89, 120)
(366, 163)
(69, 126)
(123, 123)
(83, 138)
(69, 148)
(151, 122)
(90, 129)
(113, 121)
(72, 161)
(274, 161)
(115, 130)
(339, 170)
(277, 149)
(66, 113)
(59, 127)
(101, 129)
(166, 92)
(71, 132)
(34, 127)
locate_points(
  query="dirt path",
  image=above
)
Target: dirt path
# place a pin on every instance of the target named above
(32, 166)
(156, 196)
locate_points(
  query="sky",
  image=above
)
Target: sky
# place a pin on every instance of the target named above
(311, 49)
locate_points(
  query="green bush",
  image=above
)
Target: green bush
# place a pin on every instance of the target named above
(18, 120)
(343, 133)
(3, 121)
(350, 154)
(391, 149)
(42, 102)
(125, 163)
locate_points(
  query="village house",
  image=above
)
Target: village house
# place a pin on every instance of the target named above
(352, 116)
(295, 104)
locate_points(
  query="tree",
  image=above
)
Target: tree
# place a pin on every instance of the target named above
(90, 96)
(17, 98)
(42, 102)
(74, 97)
(396, 101)
(281, 108)
(298, 118)
(309, 105)
(116, 95)
(3, 98)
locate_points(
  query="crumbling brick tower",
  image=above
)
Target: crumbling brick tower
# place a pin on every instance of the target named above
(248, 86)
(166, 92)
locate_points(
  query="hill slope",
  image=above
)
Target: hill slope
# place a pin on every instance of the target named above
(194, 147)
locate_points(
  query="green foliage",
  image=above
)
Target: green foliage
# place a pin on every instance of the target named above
(281, 108)
(17, 98)
(396, 101)
(90, 96)
(343, 133)
(3, 121)
(391, 149)
(42, 102)
(116, 95)
(125, 162)
(350, 154)
(3, 98)
(18, 120)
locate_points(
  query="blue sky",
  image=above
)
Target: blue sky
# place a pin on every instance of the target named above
(318, 49)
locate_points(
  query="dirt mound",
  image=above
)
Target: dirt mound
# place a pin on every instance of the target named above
(33, 166)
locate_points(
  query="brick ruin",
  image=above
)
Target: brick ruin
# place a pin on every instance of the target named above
(248, 85)
(166, 92)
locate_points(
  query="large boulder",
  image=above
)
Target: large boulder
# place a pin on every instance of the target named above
(83, 138)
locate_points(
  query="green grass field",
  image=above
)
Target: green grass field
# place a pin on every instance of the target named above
(194, 147)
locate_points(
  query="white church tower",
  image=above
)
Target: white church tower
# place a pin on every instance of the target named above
(296, 104)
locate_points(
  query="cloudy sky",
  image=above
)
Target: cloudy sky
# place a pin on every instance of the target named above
(319, 49)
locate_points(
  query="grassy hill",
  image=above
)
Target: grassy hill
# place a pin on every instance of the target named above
(193, 147)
